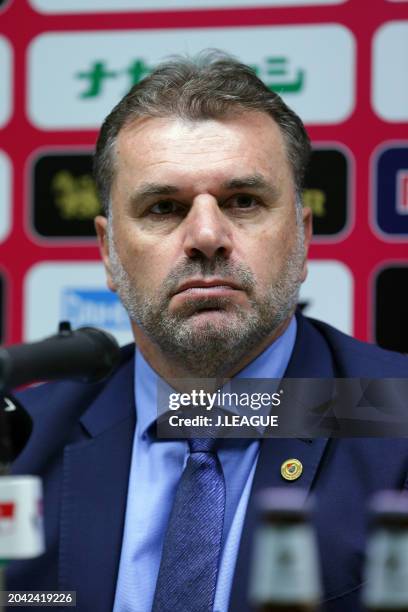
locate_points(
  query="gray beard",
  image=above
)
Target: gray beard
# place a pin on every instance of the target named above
(210, 350)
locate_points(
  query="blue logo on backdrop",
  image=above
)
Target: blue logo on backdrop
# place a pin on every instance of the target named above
(94, 307)
(392, 191)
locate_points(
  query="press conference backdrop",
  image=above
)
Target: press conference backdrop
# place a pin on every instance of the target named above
(341, 64)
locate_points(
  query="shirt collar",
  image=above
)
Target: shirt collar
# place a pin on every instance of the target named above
(271, 363)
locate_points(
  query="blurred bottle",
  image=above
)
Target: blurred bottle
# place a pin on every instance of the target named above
(285, 574)
(386, 567)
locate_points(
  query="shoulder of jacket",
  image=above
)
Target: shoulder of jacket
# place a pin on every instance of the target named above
(368, 356)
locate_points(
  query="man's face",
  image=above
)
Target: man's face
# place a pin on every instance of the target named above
(203, 245)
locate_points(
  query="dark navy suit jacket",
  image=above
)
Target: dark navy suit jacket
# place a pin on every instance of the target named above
(81, 446)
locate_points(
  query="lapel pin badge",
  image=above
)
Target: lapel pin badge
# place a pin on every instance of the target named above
(291, 469)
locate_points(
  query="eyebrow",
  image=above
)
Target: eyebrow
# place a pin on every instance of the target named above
(154, 189)
(252, 181)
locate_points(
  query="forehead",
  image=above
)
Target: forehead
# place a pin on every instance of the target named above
(250, 142)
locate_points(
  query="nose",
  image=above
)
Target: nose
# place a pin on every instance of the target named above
(207, 231)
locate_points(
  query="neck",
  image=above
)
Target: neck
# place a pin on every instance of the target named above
(169, 369)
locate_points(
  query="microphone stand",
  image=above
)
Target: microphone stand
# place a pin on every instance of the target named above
(20, 503)
(87, 355)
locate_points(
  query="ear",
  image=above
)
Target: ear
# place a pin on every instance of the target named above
(308, 232)
(101, 228)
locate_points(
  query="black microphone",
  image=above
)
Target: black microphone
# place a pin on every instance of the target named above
(86, 354)
(15, 429)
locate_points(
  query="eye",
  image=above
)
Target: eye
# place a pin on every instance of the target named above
(242, 201)
(164, 207)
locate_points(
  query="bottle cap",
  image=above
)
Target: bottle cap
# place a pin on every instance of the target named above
(389, 508)
(285, 504)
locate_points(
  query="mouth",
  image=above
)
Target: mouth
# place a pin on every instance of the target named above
(207, 288)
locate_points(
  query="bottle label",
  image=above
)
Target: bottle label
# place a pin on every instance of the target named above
(387, 569)
(285, 566)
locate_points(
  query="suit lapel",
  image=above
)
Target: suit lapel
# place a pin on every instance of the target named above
(94, 494)
(311, 358)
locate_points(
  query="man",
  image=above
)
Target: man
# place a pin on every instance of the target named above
(199, 170)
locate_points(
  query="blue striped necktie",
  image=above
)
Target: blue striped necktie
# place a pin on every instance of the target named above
(192, 545)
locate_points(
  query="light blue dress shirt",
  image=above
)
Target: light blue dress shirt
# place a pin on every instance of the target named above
(155, 471)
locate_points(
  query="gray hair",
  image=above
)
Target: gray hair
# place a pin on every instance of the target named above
(213, 85)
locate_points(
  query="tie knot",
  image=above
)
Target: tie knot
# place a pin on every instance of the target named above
(202, 445)
(200, 429)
